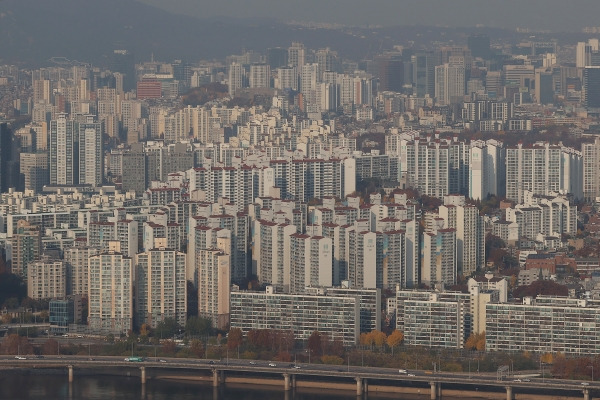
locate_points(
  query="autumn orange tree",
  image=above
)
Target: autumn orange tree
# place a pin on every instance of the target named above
(395, 338)
(476, 342)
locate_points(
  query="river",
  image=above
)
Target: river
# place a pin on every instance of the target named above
(30, 386)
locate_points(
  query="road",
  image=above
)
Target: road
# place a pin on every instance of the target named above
(278, 368)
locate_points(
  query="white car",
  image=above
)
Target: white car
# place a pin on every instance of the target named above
(411, 375)
(272, 365)
(402, 371)
(252, 363)
(585, 384)
(20, 358)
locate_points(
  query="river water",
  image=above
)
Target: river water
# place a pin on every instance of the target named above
(30, 386)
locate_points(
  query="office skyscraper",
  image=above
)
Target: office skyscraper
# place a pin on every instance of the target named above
(449, 84)
(390, 71)
(122, 61)
(277, 57)
(479, 45)
(591, 87)
(424, 64)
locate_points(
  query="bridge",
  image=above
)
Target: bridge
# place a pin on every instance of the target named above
(312, 375)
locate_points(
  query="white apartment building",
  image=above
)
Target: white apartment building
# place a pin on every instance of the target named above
(110, 293)
(470, 233)
(438, 257)
(214, 286)
(77, 259)
(47, 279)
(161, 286)
(542, 169)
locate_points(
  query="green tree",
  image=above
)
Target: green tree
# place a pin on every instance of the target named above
(166, 328)
(198, 326)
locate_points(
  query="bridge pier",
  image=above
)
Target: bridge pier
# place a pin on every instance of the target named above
(215, 378)
(222, 377)
(143, 375)
(509, 393)
(359, 386)
(294, 381)
(365, 385)
(287, 382)
(586, 394)
(70, 367)
(434, 390)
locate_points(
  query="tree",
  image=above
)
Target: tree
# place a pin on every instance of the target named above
(169, 348)
(198, 326)
(476, 342)
(379, 338)
(197, 348)
(14, 344)
(50, 347)
(395, 338)
(234, 338)
(541, 287)
(166, 328)
(480, 344)
(314, 343)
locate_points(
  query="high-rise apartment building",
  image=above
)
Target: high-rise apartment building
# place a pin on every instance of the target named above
(77, 259)
(296, 55)
(47, 279)
(310, 262)
(541, 169)
(470, 233)
(26, 246)
(260, 76)
(110, 300)
(214, 277)
(91, 153)
(161, 286)
(236, 78)
(34, 168)
(438, 257)
(591, 167)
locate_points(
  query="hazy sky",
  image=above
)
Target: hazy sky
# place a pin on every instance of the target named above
(560, 15)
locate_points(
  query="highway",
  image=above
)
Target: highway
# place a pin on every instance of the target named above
(275, 368)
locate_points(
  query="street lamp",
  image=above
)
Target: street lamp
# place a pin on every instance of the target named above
(592, 367)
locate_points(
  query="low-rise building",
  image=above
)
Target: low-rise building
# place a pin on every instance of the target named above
(336, 317)
(545, 324)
